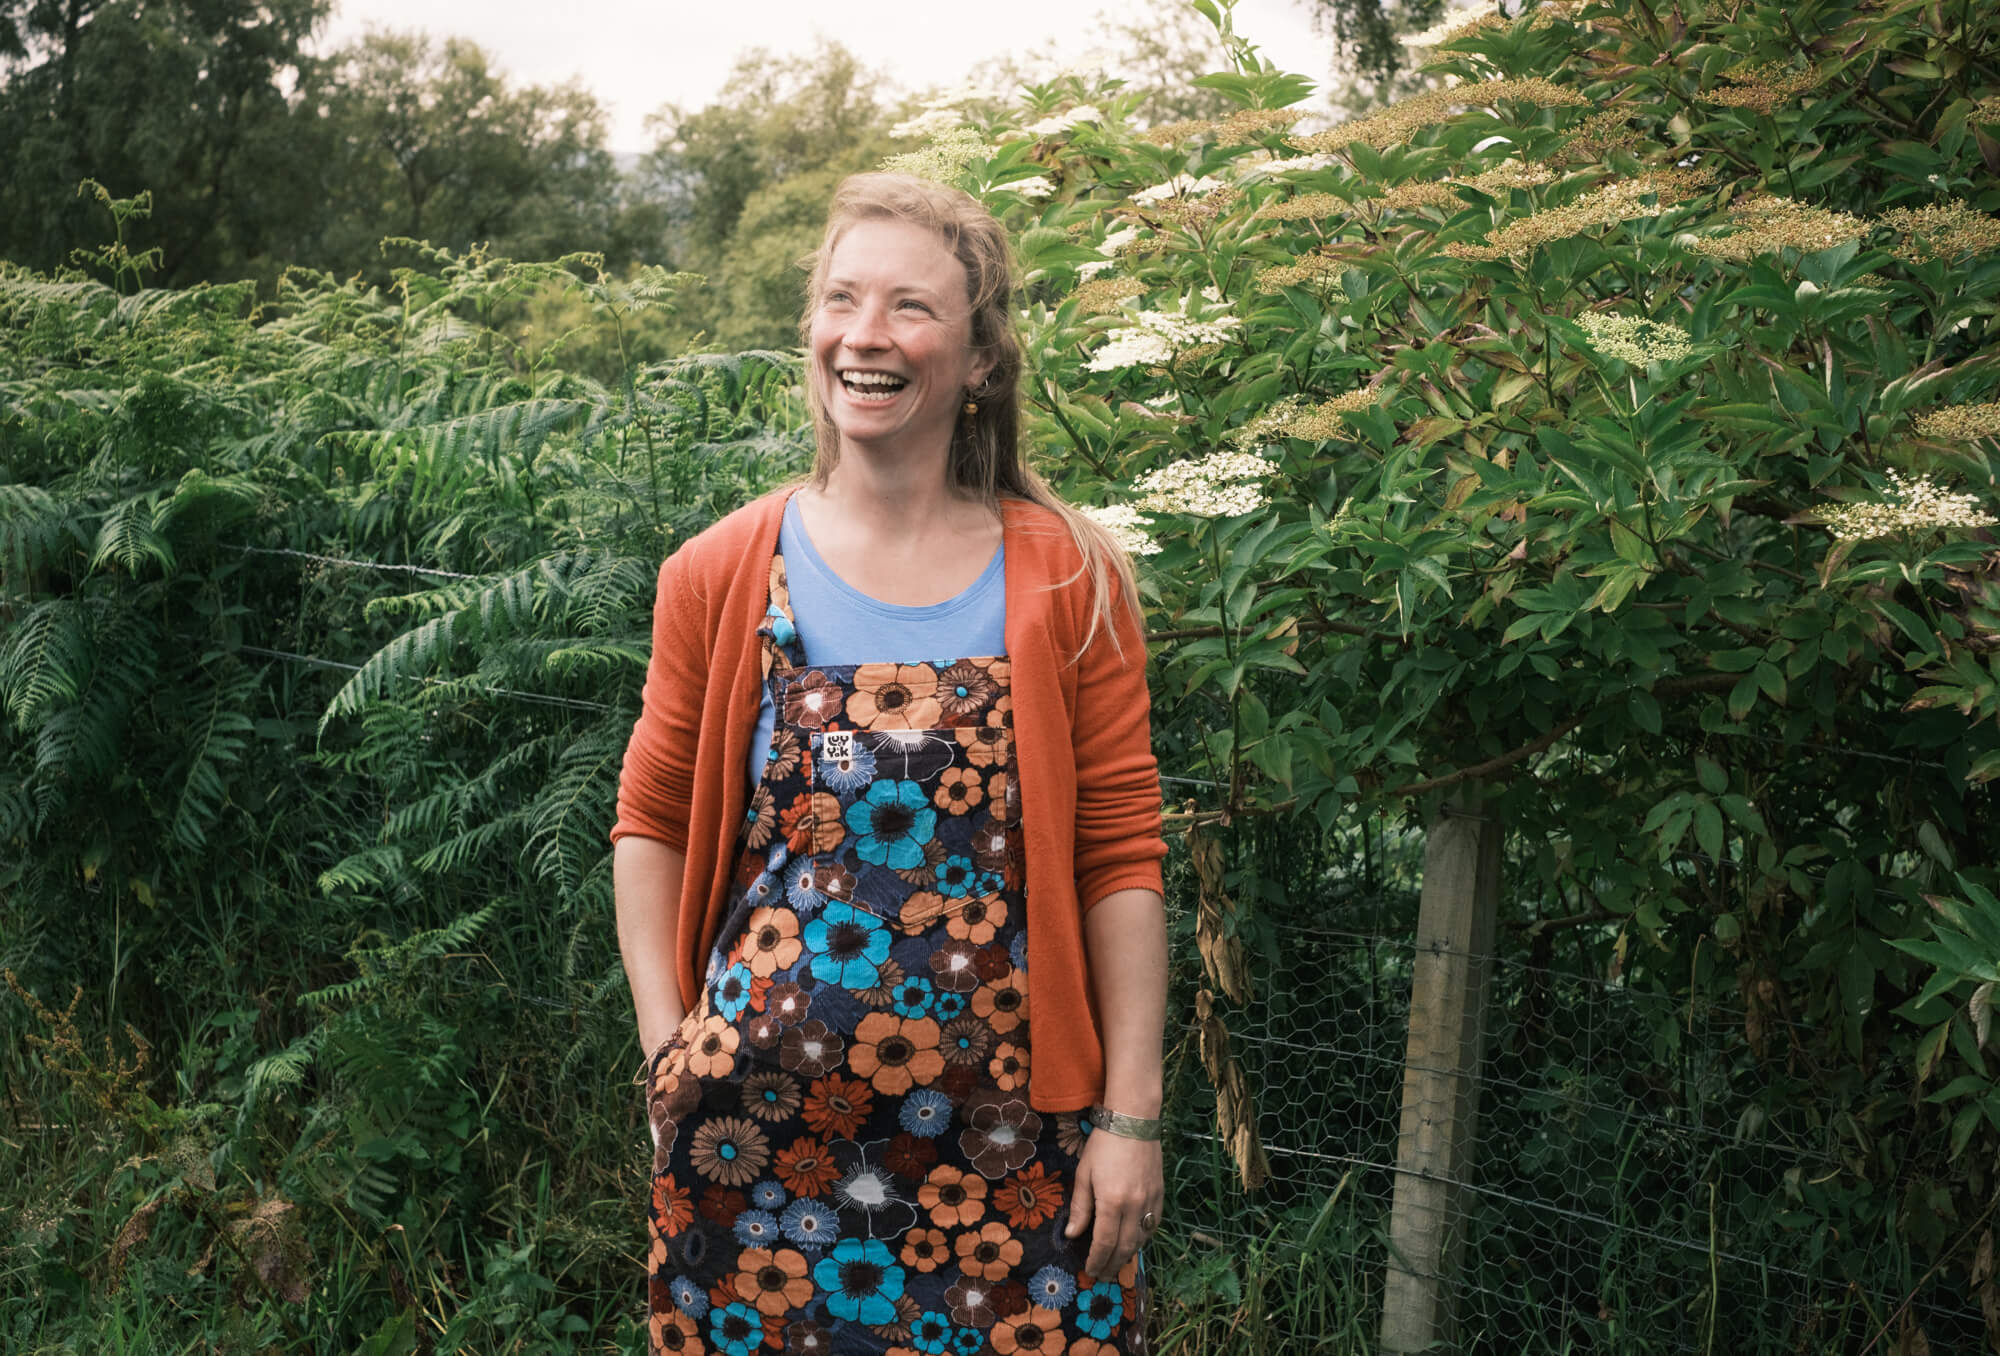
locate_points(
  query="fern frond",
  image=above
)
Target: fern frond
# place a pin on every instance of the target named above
(217, 743)
(46, 661)
(35, 529)
(570, 816)
(127, 537)
(367, 869)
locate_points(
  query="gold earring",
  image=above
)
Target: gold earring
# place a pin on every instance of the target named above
(971, 407)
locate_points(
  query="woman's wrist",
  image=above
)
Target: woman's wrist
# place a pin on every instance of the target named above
(1124, 1126)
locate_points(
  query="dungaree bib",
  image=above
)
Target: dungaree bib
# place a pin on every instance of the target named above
(845, 1160)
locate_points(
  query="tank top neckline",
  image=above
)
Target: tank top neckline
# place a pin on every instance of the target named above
(971, 595)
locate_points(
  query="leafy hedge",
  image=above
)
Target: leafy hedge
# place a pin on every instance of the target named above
(1609, 432)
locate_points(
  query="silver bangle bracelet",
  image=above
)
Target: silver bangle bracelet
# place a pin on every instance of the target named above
(1124, 1126)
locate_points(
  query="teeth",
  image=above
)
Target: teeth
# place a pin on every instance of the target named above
(878, 379)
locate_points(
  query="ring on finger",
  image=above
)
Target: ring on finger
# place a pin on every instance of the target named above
(1149, 1221)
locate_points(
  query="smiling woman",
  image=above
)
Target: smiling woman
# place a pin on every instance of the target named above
(874, 855)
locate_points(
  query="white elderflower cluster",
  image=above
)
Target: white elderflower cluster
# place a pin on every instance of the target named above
(1154, 337)
(1180, 186)
(1469, 18)
(932, 122)
(1293, 164)
(1219, 485)
(1034, 190)
(1635, 339)
(1918, 505)
(1126, 525)
(1114, 241)
(1059, 123)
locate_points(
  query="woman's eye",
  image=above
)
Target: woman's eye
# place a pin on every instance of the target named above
(915, 305)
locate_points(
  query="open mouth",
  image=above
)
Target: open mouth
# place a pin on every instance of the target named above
(872, 387)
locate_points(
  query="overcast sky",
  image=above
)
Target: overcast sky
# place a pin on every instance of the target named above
(639, 54)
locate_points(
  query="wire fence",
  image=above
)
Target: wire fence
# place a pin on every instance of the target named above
(1635, 1178)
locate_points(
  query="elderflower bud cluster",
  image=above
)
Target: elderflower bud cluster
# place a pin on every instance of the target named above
(1317, 273)
(1444, 192)
(944, 160)
(1635, 339)
(1943, 230)
(1762, 88)
(1249, 124)
(1960, 422)
(1917, 505)
(1155, 338)
(1103, 296)
(1174, 133)
(1600, 207)
(1293, 418)
(1767, 224)
(1219, 485)
(1305, 207)
(1595, 137)
(1180, 186)
(1126, 525)
(1400, 121)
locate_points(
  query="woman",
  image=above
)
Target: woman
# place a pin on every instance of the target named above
(893, 921)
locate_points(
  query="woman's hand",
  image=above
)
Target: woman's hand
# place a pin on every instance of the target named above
(1118, 1180)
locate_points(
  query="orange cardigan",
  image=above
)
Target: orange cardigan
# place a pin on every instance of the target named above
(1090, 790)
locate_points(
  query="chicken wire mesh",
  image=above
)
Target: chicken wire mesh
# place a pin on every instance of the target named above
(1634, 1182)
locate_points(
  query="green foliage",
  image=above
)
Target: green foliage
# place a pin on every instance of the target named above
(324, 624)
(333, 840)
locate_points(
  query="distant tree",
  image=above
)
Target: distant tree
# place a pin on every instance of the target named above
(743, 183)
(425, 139)
(185, 98)
(1367, 35)
(1160, 55)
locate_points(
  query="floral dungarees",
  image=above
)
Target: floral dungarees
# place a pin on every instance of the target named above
(845, 1160)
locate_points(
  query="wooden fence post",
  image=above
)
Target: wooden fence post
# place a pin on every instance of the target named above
(1448, 986)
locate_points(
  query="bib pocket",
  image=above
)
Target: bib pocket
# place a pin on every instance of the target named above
(903, 821)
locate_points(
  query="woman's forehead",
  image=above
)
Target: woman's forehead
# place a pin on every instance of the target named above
(901, 253)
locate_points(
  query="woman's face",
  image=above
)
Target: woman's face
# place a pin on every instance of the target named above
(891, 341)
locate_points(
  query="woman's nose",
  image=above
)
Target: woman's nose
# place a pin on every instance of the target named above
(867, 327)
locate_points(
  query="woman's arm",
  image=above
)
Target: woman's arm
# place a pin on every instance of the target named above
(1119, 1180)
(646, 885)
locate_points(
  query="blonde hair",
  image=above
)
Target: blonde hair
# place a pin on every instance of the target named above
(985, 461)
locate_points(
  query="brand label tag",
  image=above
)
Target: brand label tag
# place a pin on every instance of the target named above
(837, 745)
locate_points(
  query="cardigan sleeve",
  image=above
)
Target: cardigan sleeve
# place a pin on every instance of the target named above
(1118, 842)
(656, 785)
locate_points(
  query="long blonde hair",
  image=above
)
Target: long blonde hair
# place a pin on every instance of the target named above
(985, 459)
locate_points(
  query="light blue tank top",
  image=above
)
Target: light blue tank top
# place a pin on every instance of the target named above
(839, 624)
